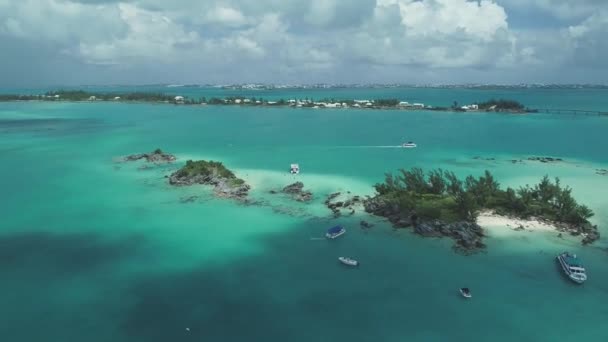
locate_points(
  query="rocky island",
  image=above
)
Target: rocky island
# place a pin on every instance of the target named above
(296, 191)
(334, 203)
(225, 183)
(158, 156)
(440, 204)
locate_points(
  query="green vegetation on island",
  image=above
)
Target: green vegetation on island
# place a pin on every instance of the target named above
(206, 169)
(413, 197)
(502, 105)
(211, 173)
(442, 195)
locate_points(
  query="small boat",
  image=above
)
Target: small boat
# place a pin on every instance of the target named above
(335, 232)
(295, 169)
(572, 267)
(465, 292)
(348, 261)
(409, 144)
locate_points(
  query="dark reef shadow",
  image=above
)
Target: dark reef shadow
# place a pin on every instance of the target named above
(63, 253)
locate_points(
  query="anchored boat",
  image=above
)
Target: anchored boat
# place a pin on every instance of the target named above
(465, 292)
(409, 144)
(348, 261)
(294, 169)
(572, 267)
(335, 232)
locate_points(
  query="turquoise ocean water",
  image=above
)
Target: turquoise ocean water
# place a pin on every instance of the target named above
(92, 249)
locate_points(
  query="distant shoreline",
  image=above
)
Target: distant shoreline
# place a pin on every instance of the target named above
(80, 96)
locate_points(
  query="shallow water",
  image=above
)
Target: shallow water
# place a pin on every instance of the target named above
(97, 250)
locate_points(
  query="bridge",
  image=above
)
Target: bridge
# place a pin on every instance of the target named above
(571, 111)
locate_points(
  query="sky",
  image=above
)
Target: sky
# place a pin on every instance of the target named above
(77, 42)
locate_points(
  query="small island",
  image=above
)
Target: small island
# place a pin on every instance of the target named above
(225, 182)
(157, 156)
(440, 204)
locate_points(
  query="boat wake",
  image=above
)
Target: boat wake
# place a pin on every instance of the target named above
(378, 146)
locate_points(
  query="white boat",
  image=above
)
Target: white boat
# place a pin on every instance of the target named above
(295, 169)
(572, 267)
(335, 232)
(409, 144)
(348, 261)
(465, 292)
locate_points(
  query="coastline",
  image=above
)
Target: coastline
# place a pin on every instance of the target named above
(79, 96)
(493, 222)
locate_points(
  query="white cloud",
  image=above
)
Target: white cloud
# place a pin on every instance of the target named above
(150, 36)
(588, 40)
(320, 38)
(225, 16)
(561, 9)
(445, 17)
(436, 33)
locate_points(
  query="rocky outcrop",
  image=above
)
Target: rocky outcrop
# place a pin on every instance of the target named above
(297, 192)
(337, 206)
(590, 233)
(226, 187)
(602, 172)
(545, 159)
(365, 224)
(468, 235)
(158, 156)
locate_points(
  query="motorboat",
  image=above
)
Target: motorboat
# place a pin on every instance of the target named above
(294, 169)
(348, 261)
(335, 232)
(409, 144)
(572, 267)
(465, 292)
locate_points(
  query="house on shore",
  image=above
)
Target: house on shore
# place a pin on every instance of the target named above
(179, 99)
(470, 107)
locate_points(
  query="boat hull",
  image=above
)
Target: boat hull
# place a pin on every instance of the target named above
(348, 262)
(336, 235)
(465, 295)
(566, 269)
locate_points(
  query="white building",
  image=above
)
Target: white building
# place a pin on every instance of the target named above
(92, 98)
(418, 105)
(237, 101)
(404, 104)
(470, 107)
(246, 101)
(117, 98)
(179, 99)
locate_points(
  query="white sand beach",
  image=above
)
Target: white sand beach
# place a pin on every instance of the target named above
(494, 223)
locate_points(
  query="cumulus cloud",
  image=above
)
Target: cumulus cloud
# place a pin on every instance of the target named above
(436, 33)
(588, 40)
(561, 9)
(320, 40)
